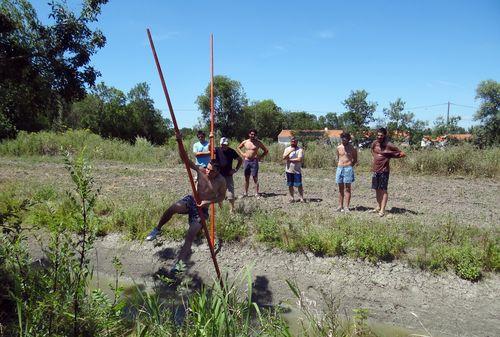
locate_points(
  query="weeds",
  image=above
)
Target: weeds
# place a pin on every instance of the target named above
(329, 322)
(462, 160)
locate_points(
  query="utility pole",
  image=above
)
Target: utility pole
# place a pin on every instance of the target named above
(448, 119)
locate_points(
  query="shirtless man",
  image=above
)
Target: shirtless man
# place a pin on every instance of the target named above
(382, 152)
(211, 187)
(251, 159)
(347, 157)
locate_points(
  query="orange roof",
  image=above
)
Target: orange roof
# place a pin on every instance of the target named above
(285, 133)
(461, 136)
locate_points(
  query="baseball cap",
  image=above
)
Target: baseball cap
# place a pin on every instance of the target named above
(224, 141)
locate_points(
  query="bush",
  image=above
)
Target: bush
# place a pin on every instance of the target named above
(268, 228)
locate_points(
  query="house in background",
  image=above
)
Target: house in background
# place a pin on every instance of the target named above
(332, 136)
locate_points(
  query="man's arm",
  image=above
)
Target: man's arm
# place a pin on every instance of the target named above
(264, 148)
(286, 153)
(242, 144)
(393, 152)
(220, 194)
(354, 156)
(239, 163)
(299, 158)
(200, 153)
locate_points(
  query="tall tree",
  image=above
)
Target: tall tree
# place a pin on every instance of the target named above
(397, 119)
(229, 100)
(43, 68)
(331, 121)
(489, 112)
(266, 117)
(359, 111)
(441, 127)
(301, 121)
(108, 112)
(146, 121)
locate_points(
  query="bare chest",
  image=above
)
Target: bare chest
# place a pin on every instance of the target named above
(249, 146)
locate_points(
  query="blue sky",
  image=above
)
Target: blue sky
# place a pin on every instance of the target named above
(306, 56)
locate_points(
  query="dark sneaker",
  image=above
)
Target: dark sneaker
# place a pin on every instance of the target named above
(153, 234)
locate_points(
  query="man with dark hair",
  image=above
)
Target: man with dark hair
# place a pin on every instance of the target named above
(211, 188)
(201, 150)
(382, 152)
(252, 158)
(294, 155)
(347, 157)
(225, 156)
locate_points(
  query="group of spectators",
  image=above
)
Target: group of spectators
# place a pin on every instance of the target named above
(215, 176)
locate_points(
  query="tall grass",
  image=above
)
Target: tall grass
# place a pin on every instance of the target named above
(47, 143)
(462, 160)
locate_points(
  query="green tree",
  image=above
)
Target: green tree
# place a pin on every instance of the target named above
(397, 119)
(359, 112)
(441, 127)
(146, 121)
(301, 121)
(489, 112)
(229, 100)
(43, 68)
(266, 117)
(331, 121)
(108, 112)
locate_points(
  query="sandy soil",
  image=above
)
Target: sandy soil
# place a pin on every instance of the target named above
(445, 304)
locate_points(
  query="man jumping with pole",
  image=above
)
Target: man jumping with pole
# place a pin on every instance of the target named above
(187, 163)
(211, 189)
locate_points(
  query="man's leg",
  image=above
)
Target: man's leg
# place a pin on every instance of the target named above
(256, 182)
(290, 192)
(383, 201)
(247, 183)
(347, 195)
(379, 193)
(230, 192)
(301, 193)
(341, 197)
(178, 207)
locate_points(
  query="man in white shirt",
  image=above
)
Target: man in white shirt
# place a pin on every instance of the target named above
(294, 156)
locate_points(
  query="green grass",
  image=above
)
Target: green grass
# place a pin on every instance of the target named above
(468, 251)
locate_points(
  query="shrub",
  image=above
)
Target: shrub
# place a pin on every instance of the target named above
(268, 228)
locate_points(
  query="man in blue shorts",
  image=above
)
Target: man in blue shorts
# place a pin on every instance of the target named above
(347, 157)
(294, 156)
(211, 188)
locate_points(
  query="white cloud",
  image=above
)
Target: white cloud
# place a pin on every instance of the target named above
(162, 37)
(441, 83)
(273, 51)
(325, 34)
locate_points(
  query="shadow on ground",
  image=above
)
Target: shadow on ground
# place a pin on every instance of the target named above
(270, 195)
(398, 210)
(393, 210)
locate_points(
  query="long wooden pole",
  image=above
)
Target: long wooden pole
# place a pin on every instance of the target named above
(185, 159)
(212, 139)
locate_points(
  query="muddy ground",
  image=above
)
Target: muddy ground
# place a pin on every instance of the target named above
(445, 304)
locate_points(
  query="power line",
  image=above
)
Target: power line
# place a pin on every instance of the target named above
(464, 106)
(426, 106)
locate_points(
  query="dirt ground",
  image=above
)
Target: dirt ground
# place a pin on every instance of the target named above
(445, 304)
